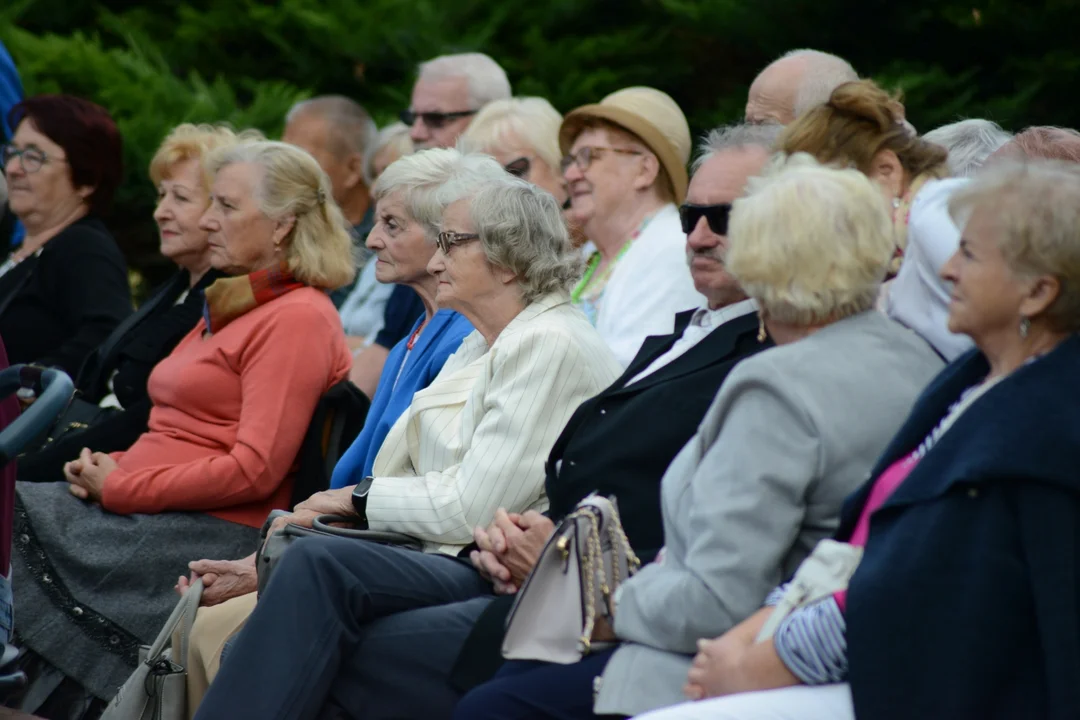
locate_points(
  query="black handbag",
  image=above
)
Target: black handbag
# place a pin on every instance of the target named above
(271, 549)
(78, 417)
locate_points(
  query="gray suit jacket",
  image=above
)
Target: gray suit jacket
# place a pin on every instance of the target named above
(791, 433)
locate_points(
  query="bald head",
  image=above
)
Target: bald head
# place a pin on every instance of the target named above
(798, 81)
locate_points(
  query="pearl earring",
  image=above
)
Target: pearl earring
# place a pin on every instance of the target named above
(1025, 327)
(896, 203)
(762, 336)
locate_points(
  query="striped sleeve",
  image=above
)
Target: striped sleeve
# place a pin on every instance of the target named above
(812, 643)
(776, 595)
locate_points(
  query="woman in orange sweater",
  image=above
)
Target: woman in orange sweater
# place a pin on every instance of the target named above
(97, 558)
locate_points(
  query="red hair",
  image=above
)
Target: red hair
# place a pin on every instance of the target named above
(89, 137)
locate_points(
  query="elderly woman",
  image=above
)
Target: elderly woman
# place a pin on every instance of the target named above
(523, 135)
(472, 442)
(114, 400)
(231, 405)
(65, 288)
(961, 474)
(777, 452)
(625, 169)
(862, 126)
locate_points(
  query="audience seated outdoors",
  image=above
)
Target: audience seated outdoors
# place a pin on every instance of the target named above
(65, 288)
(116, 373)
(625, 169)
(780, 447)
(984, 466)
(448, 92)
(794, 83)
(472, 442)
(408, 215)
(231, 405)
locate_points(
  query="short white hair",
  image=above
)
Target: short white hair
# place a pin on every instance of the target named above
(422, 177)
(351, 127)
(486, 79)
(521, 228)
(732, 137)
(969, 143)
(394, 136)
(529, 120)
(809, 242)
(824, 73)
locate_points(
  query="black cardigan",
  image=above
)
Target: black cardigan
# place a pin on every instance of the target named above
(67, 300)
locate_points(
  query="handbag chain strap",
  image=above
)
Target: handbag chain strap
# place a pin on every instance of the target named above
(592, 566)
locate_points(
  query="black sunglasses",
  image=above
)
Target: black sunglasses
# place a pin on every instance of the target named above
(715, 215)
(518, 168)
(434, 120)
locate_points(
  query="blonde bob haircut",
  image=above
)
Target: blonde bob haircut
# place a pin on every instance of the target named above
(810, 243)
(1036, 209)
(529, 120)
(319, 248)
(195, 142)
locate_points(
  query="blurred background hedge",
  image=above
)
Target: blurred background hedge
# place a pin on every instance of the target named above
(156, 64)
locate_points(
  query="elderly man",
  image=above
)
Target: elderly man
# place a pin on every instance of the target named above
(793, 84)
(449, 91)
(969, 142)
(619, 442)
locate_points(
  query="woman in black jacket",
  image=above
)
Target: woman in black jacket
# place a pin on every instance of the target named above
(66, 287)
(113, 381)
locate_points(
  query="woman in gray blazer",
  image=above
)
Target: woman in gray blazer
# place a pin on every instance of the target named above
(791, 433)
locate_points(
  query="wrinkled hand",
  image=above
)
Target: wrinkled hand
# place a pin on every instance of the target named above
(510, 547)
(327, 502)
(87, 474)
(733, 663)
(222, 579)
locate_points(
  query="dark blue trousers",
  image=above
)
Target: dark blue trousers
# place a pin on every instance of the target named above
(320, 605)
(536, 691)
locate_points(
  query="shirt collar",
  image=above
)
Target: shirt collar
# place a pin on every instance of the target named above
(709, 319)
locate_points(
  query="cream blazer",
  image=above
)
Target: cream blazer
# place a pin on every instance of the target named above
(476, 439)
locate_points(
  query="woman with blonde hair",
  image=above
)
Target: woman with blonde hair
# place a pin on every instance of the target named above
(113, 406)
(862, 126)
(231, 405)
(792, 431)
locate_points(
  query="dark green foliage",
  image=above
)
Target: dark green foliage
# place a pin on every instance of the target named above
(246, 61)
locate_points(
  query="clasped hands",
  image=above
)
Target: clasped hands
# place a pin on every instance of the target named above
(509, 548)
(86, 476)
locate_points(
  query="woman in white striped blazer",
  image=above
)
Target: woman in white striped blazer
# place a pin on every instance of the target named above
(471, 442)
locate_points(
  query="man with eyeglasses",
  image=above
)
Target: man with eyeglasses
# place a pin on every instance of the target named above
(449, 91)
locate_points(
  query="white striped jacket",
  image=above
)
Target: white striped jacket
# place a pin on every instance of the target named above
(476, 439)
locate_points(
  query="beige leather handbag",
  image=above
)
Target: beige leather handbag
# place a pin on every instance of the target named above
(579, 569)
(157, 690)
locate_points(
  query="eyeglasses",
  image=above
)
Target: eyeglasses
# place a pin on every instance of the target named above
(434, 120)
(31, 158)
(519, 168)
(584, 157)
(715, 215)
(447, 240)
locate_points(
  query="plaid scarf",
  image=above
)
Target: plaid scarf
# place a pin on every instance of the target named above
(229, 298)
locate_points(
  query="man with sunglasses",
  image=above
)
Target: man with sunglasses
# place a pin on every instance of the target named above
(449, 91)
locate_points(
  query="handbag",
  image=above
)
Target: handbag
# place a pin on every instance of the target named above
(157, 690)
(825, 572)
(571, 585)
(272, 548)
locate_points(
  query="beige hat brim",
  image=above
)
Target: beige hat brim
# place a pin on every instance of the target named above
(649, 134)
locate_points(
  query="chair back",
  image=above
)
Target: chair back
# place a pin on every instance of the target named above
(338, 419)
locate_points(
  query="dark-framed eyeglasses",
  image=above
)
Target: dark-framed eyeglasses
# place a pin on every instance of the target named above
(434, 120)
(584, 157)
(519, 167)
(31, 157)
(447, 240)
(715, 215)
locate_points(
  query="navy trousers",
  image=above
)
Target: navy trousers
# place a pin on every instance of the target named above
(536, 691)
(321, 602)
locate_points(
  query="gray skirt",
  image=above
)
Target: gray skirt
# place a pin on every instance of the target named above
(91, 586)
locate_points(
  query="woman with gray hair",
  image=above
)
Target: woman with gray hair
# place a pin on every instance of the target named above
(985, 466)
(781, 446)
(231, 406)
(471, 443)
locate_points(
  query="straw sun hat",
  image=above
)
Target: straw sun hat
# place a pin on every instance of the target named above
(649, 114)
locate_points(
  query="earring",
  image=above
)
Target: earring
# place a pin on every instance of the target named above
(1025, 326)
(896, 203)
(762, 336)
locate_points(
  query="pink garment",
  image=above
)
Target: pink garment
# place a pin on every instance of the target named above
(886, 484)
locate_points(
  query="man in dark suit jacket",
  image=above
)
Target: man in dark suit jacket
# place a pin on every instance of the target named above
(617, 443)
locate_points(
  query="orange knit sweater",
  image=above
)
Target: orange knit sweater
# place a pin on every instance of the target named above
(230, 412)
